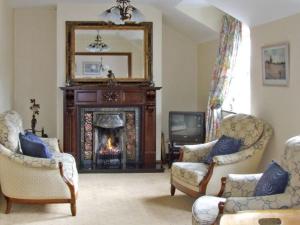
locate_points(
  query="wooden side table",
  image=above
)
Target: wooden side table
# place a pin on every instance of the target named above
(263, 217)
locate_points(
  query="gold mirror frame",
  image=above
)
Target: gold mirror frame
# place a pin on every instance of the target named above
(71, 26)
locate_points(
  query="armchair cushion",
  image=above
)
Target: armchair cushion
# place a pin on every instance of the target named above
(273, 181)
(224, 146)
(247, 128)
(32, 146)
(191, 173)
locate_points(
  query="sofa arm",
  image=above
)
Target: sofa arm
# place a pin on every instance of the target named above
(279, 201)
(52, 144)
(195, 153)
(240, 185)
(28, 161)
(235, 157)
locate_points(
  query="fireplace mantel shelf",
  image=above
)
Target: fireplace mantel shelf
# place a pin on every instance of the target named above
(102, 96)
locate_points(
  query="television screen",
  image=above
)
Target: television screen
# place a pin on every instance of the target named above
(187, 127)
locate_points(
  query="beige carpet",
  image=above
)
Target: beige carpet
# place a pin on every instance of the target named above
(111, 199)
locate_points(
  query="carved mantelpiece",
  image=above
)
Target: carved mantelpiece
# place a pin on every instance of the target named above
(85, 96)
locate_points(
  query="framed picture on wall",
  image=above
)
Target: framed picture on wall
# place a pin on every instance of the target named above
(275, 60)
(91, 68)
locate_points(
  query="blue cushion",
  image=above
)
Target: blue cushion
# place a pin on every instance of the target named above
(273, 181)
(33, 147)
(224, 146)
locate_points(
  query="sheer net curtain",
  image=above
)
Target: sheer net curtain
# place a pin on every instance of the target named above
(230, 38)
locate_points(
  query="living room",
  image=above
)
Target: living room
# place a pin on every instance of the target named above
(185, 44)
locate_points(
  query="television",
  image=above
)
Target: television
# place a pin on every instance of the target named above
(186, 128)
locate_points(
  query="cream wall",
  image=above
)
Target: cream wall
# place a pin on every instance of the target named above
(6, 56)
(179, 91)
(90, 12)
(277, 105)
(207, 53)
(35, 65)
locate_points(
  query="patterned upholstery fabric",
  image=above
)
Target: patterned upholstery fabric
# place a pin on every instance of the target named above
(224, 146)
(245, 127)
(10, 127)
(196, 153)
(241, 185)
(205, 210)
(244, 154)
(253, 131)
(239, 189)
(27, 160)
(289, 199)
(52, 144)
(25, 177)
(191, 173)
(70, 172)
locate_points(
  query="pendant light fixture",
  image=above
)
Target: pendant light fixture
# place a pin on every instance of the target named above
(98, 45)
(122, 12)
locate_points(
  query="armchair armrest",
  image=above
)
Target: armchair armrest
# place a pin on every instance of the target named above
(52, 144)
(279, 201)
(235, 157)
(28, 161)
(195, 153)
(240, 185)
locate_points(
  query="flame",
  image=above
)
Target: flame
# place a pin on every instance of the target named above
(109, 144)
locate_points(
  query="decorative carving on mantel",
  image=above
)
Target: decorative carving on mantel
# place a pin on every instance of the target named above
(150, 108)
(111, 96)
(151, 95)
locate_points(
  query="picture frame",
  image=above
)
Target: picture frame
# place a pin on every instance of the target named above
(275, 64)
(91, 68)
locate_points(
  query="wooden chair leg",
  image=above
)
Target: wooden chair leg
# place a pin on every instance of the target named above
(8, 205)
(172, 189)
(73, 209)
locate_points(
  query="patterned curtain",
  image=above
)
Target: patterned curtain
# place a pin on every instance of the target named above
(230, 38)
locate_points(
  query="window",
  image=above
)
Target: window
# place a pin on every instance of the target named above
(238, 96)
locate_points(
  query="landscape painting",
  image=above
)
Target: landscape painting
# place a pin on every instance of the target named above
(276, 64)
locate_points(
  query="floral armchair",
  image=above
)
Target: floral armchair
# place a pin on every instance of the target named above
(195, 178)
(237, 191)
(25, 179)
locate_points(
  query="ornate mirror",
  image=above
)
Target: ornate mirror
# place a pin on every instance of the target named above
(94, 48)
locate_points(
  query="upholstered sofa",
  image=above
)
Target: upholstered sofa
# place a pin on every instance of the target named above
(237, 191)
(29, 180)
(196, 178)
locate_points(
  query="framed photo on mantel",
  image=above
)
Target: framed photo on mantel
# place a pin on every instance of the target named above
(275, 62)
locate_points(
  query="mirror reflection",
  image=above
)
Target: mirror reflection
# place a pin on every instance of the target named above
(100, 50)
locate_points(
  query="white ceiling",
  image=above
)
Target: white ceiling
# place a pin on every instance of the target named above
(251, 12)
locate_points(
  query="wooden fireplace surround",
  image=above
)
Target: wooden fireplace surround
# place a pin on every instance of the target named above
(122, 95)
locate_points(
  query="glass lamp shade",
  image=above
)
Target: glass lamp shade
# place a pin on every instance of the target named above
(137, 15)
(112, 15)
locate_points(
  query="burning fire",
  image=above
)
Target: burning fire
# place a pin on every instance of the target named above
(109, 144)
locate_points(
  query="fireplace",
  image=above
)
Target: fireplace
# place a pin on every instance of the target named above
(110, 138)
(111, 129)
